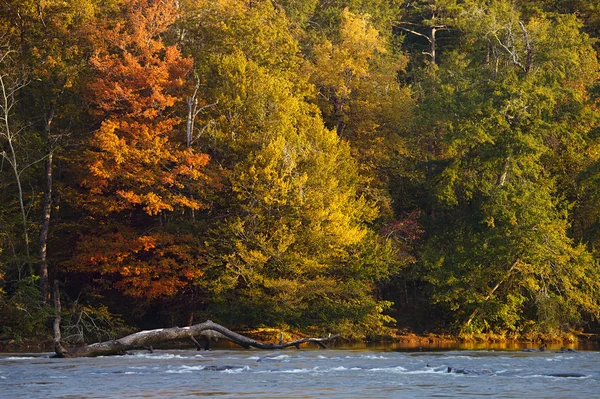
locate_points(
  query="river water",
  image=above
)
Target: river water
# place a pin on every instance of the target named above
(305, 373)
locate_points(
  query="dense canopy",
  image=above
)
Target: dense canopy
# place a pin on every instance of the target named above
(362, 167)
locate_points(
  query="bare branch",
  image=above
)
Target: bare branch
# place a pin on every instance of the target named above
(527, 47)
(416, 33)
(512, 53)
(208, 329)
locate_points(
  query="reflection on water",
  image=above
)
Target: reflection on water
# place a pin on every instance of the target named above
(437, 345)
(384, 372)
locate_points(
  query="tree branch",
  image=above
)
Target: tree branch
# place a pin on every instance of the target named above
(208, 329)
(416, 33)
(527, 47)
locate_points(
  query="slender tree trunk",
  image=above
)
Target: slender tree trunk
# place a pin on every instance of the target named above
(191, 103)
(8, 102)
(432, 44)
(58, 348)
(46, 213)
(43, 264)
(504, 174)
(528, 48)
(21, 203)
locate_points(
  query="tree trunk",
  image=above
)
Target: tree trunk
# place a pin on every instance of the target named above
(8, 91)
(527, 47)
(432, 44)
(42, 264)
(58, 348)
(189, 126)
(207, 330)
(46, 213)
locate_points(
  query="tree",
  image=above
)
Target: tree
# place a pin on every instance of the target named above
(50, 58)
(512, 114)
(355, 72)
(290, 242)
(140, 170)
(11, 133)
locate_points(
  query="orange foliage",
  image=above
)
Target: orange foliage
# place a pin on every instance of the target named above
(149, 266)
(139, 164)
(140, 159)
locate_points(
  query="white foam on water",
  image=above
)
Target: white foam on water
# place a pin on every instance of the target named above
(294, 371)
(397, 369)
(178, 371)
(371, 357)
(184, 369)
(17, 358)
(559, 358)
(342, 368)
(191, 367)
(426, 371)
(235, 371)
(280, 357)
(155, 356)
(554, 377)
(297, 371)
(253, 358)
(2, 377)
(316, 369)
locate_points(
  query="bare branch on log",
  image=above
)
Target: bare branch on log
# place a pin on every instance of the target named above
(208, 330)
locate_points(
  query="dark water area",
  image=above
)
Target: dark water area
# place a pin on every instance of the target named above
(374, 372)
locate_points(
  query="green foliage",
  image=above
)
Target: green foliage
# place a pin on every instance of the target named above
(330, 147)
(21, 315)
(507, 135)
(291, 250)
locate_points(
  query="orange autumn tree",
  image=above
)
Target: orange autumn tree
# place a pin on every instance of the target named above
(140, 174)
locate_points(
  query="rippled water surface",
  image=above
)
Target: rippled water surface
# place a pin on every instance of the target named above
(308, 373)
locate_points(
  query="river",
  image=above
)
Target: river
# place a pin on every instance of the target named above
(306, 373)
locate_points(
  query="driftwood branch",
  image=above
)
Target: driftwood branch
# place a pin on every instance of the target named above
(207, 330)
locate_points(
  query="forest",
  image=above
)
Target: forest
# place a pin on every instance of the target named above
(357, 167)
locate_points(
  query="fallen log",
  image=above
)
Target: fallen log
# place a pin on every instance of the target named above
(208, 330)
